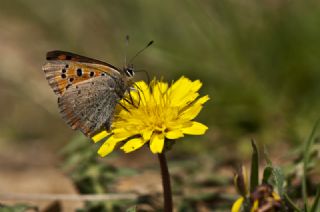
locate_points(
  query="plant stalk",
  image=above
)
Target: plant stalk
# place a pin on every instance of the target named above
(167, 194)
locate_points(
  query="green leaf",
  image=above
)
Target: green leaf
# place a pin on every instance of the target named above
(277, 174)
(306, 157)
(254, 176)
(18, 208)
(316, 206)
(267, 173)
(132, 209)
(279, 179)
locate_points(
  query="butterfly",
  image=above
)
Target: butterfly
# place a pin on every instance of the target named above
(88, 90)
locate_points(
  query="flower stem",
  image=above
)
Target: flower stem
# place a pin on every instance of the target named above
(167, 194)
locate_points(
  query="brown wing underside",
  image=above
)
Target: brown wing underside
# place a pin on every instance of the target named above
(62, 74)
(63, 55)
(89, 105)
(86, 89)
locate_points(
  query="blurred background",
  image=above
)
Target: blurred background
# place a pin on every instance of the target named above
(258, 61)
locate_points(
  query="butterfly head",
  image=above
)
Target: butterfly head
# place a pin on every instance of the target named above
(129, 71)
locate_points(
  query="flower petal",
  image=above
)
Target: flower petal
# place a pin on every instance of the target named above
(203, 99)
(100, 136)
(108, 146)
(133, 144)
(184, 91)
(237, 205)
(255, 206)
(144, 91)
(276, 196)
(195, 129)
(146, 135)
(122, 133)
(159, 89)
(174, 134)
(192, 111)
(157, 143)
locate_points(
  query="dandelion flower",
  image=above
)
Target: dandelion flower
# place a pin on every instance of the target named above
(154, 114)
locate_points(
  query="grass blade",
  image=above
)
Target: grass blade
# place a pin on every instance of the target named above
(306, 157)
(290, 202)
(254, 176)
(315, 206)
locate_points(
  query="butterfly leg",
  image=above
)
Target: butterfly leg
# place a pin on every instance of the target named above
(130, 100)
(124, 107)
(139, 93)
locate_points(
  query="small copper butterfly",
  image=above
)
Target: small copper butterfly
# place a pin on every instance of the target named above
(88, 90)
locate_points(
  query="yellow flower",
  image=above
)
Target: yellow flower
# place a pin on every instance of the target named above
(236, 207)
(153, 113)
(263, 198)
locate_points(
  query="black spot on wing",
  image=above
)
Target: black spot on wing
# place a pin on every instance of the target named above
(79, 72)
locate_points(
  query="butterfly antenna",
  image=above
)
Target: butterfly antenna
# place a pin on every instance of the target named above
(125, 51)
(144, 71)
(139, 52)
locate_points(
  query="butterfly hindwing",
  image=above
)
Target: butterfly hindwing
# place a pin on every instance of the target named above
(90, 104)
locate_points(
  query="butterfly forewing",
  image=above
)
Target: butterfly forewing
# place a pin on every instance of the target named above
(63, 55)
(62, 74)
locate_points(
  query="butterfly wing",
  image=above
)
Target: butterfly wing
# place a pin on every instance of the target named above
(89, 105)
(63, 55)
(62, 73)
(88, 89)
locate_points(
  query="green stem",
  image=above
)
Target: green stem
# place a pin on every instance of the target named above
(306, 158)
(291, 203)
(167, 194)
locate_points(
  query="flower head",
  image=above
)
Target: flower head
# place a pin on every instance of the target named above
(152, 113)
(263, 198)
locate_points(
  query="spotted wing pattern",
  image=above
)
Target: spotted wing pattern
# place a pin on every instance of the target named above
(88, 89)
(89, 105)
(62, 74)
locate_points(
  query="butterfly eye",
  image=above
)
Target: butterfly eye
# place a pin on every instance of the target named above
(129, 72)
